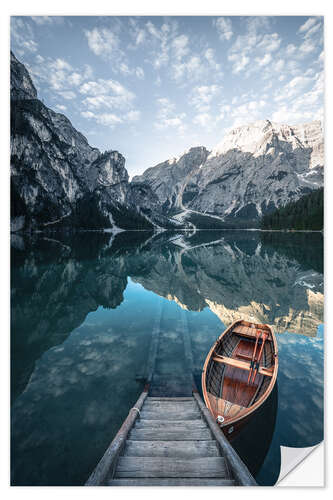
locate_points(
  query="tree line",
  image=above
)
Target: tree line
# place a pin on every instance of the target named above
(307, 213)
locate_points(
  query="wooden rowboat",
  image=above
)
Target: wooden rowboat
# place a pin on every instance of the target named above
(239, 373)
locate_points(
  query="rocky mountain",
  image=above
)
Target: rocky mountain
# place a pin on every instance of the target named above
(256, 169)
(59, 180)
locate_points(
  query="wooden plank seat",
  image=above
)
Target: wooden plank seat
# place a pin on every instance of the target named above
(247, 331)
(243, 365)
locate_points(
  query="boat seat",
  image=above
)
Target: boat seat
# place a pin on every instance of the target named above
(244, 356)
(247, 331)
(243, 365)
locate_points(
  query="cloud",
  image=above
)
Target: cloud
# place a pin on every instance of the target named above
(295, 87)
(248, 112)
(106, 119)
(22, 36)
(60, 64)
(224, 28)
(270, 42)
(240, 61)
(180, 46)
(40, 20)
(204, 119)
(307, 25)
(312, 34)
(278, 65)
(210, 56)
(30, 45)
(192, 69)
(252, 50)
(61, 107)
(307, 46)
(102, 41)
(133, 116)
(264, 60)
(202, 96)
(108, 94)
(125, 70)
(166, 116)
(101, 87)
(139, 73)
(286, 114)
(67, 94)
(140, 37)
(75, 79)
(290, 50)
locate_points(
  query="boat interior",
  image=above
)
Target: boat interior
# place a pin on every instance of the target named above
(233, 382)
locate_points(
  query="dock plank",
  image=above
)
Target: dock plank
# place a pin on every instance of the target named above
(175, 424)
(171, 467)
(170, 415)
(170, 434)
(175, 449)
(159, 481)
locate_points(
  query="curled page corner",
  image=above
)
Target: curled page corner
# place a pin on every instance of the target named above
(291, 458)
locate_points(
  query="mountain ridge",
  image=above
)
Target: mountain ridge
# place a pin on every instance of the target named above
(59, 181)
(255, 169)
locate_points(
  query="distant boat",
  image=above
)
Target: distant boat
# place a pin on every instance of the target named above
(239, 374)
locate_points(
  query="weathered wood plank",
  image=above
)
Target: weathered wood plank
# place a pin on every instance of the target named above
(175, 424)
(170, 434)
(151, 398)
(171, 467)
(159, 481)
(243, 365)
(169, 407)
(170, 415)
(176, 401)
(176, 449)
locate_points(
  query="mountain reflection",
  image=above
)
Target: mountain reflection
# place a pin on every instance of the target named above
(57, 280)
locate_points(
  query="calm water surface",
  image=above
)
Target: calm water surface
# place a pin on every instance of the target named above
(83, 309)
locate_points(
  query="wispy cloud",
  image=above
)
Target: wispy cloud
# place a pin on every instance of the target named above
(102, 41)
(224, 28)
(47, 20)
(263, 61)
(307, 25)
(167, 117)
(23, 37)
(106, 94)
(240, 61)
(202, 97)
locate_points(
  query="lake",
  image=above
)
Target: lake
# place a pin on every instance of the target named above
(83, 310)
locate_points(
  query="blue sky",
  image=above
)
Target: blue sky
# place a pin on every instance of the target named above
(151, 87)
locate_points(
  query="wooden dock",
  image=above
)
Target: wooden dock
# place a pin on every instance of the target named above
(169, 437)
(170, 442)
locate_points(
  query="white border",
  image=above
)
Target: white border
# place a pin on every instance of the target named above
(138, 7)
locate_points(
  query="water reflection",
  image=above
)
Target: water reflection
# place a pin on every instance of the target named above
(83, 310)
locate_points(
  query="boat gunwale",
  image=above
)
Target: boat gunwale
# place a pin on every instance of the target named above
(267, 392)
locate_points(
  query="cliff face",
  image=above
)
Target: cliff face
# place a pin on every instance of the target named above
(59, 180)
(256, 169)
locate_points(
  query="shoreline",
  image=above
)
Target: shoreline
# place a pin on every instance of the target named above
(117, 231)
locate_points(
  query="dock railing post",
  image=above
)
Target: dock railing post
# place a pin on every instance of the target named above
(239, 470)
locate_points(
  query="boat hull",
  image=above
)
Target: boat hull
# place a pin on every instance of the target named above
(243, 351)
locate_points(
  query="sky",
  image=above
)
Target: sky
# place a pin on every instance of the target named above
(152, 87)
